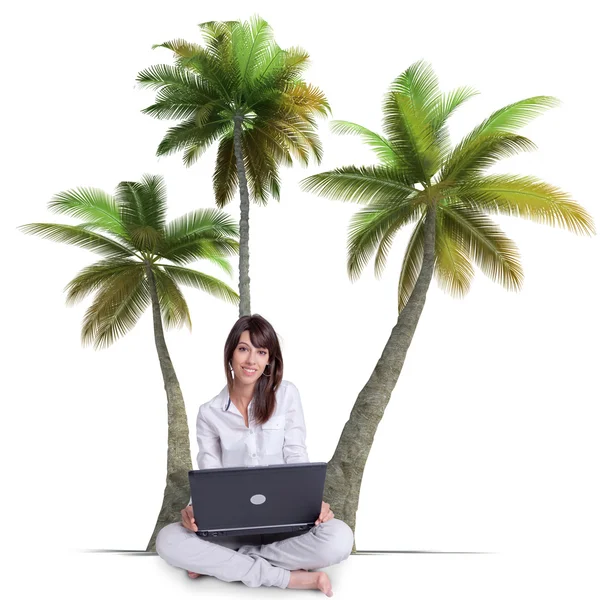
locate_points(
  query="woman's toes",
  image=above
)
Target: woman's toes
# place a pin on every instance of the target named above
(324, 584)
(193, 575)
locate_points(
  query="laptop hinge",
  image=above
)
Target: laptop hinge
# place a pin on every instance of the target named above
(258, 527)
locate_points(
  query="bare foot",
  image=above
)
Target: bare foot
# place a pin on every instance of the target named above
(193, 575)
(305, 580)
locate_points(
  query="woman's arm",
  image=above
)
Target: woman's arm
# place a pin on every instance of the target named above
(294, 445)
(209, 444)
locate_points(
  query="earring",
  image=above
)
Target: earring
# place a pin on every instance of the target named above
(269, 375)
(230, 367)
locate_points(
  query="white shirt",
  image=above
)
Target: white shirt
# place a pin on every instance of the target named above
(225, 441)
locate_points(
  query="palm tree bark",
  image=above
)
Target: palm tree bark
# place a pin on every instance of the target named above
(346, 467)
(177, 489)
(244, 281)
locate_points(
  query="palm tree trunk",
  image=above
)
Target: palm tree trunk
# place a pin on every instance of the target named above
(346, 467)
(244, 282)
(179, 462)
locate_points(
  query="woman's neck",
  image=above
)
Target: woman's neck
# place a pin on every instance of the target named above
(242, 394)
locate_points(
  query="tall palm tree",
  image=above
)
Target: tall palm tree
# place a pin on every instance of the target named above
(242, 90)
(129, 229)
(445, 191)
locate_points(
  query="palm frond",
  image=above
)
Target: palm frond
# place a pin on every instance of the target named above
(116, 308)
(411, 265)
(210, 222)
(224, 248)
(95, 276)
(261, 174)
(192, 153)
(268, 74)
(471, 158)
(218, 69)
(292, 134)
(175, 103)
(407, 122)
(225, 177)
(442, 110)
(513, 117)
(383, 250)
(262, 138)
(143, 210)
(220, 64)
(183, 235)
(360, 184)
(296, 62)
(252, 42)
(278, 70)
(180, 47)
(304, 99)
(155, 200)
(448, 103)
(372, 227)
(486, 244)
(526, 197)
(189, 133)
(161, 76)
(419, 84)
(76, 235)
(411, 135)
(217, 36)
(206, 283)
(496, 133)
(91, 204)
(207, 112)
(214, 251)
(173, 307)
(382, 148)
(453, 269)
(210, 126)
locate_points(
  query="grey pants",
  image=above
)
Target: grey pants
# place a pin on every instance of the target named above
(256, 559)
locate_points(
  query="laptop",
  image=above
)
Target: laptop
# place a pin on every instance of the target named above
(257, 500)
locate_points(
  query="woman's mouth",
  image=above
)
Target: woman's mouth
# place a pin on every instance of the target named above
(248, 371)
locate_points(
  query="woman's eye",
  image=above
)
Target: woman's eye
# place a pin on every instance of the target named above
(263, 352)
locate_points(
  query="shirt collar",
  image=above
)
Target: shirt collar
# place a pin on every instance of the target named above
(224, 396)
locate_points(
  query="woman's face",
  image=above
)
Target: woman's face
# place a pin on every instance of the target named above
(247, 361)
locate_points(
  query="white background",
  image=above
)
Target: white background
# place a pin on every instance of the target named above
(490, 440)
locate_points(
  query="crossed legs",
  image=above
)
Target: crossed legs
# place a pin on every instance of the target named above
(282, 563)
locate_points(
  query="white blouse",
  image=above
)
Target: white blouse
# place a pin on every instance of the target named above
(225, 441)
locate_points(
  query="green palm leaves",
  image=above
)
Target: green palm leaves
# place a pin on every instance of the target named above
(239, 72)
(242, 90)
(130, 232)
(418, 168)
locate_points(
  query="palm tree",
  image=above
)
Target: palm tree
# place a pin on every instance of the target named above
(421, 179)
(130, 231)
(242, 90)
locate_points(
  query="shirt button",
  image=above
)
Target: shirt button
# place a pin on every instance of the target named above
(253, 455)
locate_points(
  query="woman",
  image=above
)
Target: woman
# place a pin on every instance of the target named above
(257, 419)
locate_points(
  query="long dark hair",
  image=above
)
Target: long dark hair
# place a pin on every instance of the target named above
(262, 335)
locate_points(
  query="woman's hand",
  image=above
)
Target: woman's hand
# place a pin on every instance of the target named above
(187, 518)
(326, 514)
